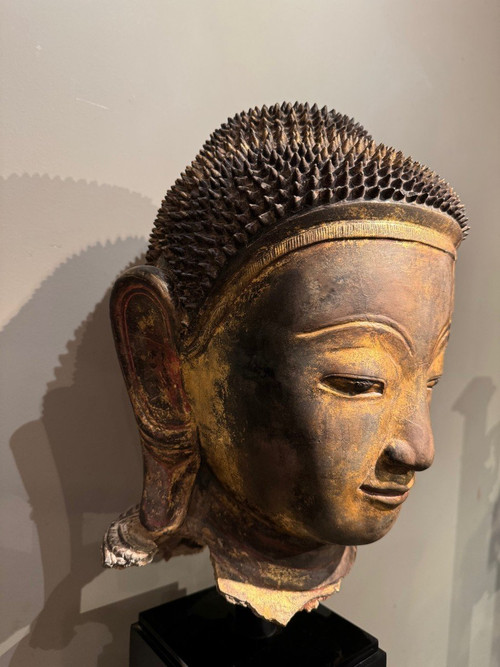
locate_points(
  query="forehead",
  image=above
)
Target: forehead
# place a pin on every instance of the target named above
(405, 282)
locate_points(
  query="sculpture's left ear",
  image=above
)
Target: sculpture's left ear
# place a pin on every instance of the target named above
(146, 331)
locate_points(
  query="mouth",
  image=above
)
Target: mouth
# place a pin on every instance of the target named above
(390, 495)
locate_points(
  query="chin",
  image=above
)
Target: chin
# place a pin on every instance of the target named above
(375, 532)
(365, 532)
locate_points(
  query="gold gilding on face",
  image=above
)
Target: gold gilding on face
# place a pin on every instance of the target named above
(312, 396)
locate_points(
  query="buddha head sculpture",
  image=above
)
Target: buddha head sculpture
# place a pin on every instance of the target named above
(280, 348)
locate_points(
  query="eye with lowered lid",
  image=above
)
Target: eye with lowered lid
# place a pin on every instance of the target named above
(433, 382)
(346, 385)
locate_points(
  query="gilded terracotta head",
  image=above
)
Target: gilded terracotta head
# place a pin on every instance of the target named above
(280, 349)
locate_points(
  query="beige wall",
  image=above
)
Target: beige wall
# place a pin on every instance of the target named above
(103, 104)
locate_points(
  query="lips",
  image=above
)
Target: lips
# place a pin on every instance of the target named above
(388, 495)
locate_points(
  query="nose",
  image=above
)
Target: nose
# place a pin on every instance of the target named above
(413, 447)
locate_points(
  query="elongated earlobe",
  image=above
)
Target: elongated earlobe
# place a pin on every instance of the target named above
(145, 328)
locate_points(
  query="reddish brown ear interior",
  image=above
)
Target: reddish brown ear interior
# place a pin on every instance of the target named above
(145, 331)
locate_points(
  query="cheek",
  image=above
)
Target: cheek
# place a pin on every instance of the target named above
(268, 438)
(308, 443)
(288, 427)
(345, 436)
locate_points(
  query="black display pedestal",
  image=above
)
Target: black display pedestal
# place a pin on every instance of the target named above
(204, 629)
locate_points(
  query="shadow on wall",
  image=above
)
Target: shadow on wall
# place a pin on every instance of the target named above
(475, 610)
(79, 463)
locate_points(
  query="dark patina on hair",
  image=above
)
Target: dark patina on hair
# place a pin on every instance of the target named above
(264, 167)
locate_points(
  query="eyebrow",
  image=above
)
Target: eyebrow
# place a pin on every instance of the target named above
(373, 322)
(442, 339)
